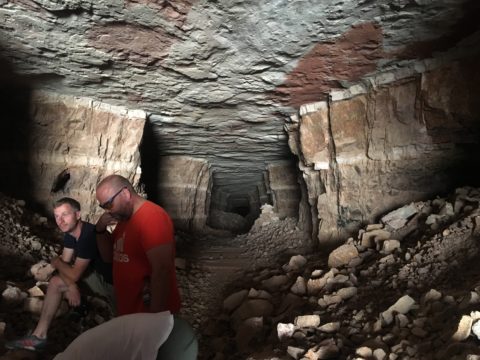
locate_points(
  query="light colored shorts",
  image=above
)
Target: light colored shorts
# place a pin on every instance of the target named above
(99, 286)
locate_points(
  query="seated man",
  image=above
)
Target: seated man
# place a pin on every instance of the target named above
(80, 260)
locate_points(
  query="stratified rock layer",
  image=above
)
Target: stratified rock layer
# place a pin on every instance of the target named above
(75, 142)
(390, 144)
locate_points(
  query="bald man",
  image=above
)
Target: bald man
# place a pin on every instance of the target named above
(142, 249)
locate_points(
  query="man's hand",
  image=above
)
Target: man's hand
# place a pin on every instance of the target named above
(73, 295)
(55, 261)
(105, 220)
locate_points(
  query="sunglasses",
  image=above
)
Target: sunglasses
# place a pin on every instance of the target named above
(107, 205)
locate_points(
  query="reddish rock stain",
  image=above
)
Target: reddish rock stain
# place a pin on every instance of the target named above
(175, 11)
(348, 58)
(132, 42)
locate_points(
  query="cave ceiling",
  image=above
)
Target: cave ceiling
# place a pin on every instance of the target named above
(219, 78)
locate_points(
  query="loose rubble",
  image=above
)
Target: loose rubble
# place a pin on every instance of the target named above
(405, 288)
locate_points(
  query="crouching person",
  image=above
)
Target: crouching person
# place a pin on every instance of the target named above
(79, 262)
(139, 336)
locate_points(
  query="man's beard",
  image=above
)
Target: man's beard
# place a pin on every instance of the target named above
(120, 216)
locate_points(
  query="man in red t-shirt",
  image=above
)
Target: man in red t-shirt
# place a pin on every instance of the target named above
(142, 249)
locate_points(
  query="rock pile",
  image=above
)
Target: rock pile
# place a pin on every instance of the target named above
(405, 288)
(21, 232)
(208, 266)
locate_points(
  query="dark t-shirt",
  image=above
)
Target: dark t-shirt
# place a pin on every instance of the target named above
(86, 248)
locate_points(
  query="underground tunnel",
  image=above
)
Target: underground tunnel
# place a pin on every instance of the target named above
(317, 158)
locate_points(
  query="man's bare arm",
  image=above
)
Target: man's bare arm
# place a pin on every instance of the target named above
(70, 273)
(104, 238)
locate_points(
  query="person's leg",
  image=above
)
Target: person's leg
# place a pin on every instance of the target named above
(181, 343)
(38, 339)
(55, 290)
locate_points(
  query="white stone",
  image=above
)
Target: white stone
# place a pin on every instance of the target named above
(347, 293)
(13, 294)
(313, 107)
(402, 306)
(379, 354)
(364, 352)
(433, 295)
(476, 329)
(295, 352)
(307, 321)
(402, 320)
(332, 299)
(315, 285)
(464, 329)
(390, 245)
(35, 291)
(370, 238)
(330, 327)
(285, 330)
(42, 270)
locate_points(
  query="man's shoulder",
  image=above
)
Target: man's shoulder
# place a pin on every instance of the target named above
(87, 226)
(151, 207)
(88, 230)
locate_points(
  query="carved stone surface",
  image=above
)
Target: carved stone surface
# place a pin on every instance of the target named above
(184, 190)
(218, 78)
(387, 150)
(283, 183)
(85, 139)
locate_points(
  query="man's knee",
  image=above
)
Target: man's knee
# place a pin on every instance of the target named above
(57, 284)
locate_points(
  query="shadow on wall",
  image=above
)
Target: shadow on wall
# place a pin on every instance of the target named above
(15, 94)
(149, 160)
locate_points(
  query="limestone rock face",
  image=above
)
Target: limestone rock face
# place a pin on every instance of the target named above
(184, 190)
(82, 140)
(219, 78)
(283, 183)
(377, 151)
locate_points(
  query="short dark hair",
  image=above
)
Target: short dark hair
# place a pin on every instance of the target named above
(66, 200)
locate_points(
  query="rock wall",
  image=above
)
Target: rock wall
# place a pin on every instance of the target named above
(75, 142)
(184, 187)
(283, 184)
(219, 77)
(371, 149)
